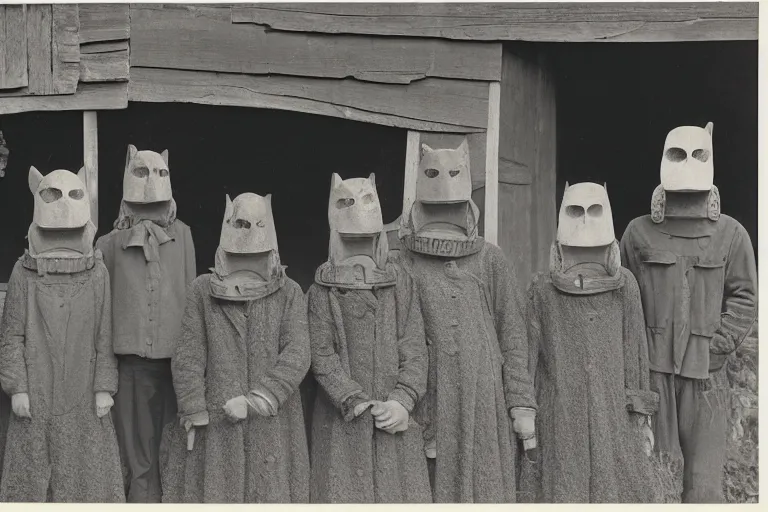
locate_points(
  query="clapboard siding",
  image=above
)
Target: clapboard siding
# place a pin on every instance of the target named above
(65, 48)
(39, 26)
(13, 47)
(104, 66)
(553, 22)
(104, 22)
(205, 39)
(101, 96)
(432, 104)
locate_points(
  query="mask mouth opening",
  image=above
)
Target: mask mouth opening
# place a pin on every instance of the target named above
(588, 261)
(247, 265)
(365, 235)
(442, 220)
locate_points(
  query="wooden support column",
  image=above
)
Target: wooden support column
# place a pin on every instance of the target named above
(491, 228)
(91, 161)
(411, 169)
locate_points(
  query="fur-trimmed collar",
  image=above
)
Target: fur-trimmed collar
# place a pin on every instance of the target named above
(659, 204)
(575, 282)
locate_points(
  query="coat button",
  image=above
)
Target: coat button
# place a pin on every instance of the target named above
(149, 341)
(360, 472)
(270, 459)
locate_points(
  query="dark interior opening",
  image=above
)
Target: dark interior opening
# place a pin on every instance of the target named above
(617, 102)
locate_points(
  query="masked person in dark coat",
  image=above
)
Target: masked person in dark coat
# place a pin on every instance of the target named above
(56, 359)
(478, 388)
(589, 359)
(698, 282)
(151, 260)
(369, 357)
(243, 351)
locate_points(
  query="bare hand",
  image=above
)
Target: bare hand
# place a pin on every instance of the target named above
(20, 405)
(104, 403)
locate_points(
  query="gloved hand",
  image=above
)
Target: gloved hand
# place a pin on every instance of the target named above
(260, 405)
(523, 422)
(104, 403)
(236, 408)
(198, 419)
(430, 449)
(646, 432)
(362, 406)
(390, 416)
(355, 405)
(20, 405)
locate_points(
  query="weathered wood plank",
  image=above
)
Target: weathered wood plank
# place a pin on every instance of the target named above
(104, 67)
(105, 47)
(104, 96)
(91, 161)
(491, 214)
(196, 38)
(412, 155)
(39, 24)
(13, 47)
(576, 22)
(432, 104)
(104, 22)
(65, 48)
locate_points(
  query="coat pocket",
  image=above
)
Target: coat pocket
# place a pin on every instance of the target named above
(658, 277)
(707, 296)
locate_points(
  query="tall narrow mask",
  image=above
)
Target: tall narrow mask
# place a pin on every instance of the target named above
(147, 178)
(248, 226)
(585, 216)
(687, 163)
(354, 216)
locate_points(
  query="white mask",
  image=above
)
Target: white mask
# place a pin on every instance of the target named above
(687, 163)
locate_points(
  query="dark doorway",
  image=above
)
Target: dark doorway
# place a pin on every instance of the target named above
(215, 151)
(617, 102)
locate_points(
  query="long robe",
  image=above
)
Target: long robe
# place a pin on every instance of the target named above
(56, 346)
(590, 360)
(228, 348)
(478, 355)
(371, 342)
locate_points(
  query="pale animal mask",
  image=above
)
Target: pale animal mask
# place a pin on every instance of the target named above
(146, 178)
(248, 225)
(687, 164)
(353, 207)
(443, 175)
(61, 199)
(585, 216)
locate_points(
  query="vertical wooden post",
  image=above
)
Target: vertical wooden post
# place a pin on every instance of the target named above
(91, 160)
(491, 231)
(411, 169)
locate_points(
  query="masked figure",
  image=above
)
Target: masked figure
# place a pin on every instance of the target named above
(243, 351)
(151, 260)
(589, 359)
(56, 359)
(697, 277)
(476, 337)
(370, 359)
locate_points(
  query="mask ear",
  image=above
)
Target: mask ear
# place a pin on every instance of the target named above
(268, 199)
(83, 177)
(228, 209)
(710, 126)
(566, 185)
(605, 186)
(164, 154)
(464, 146)
(425, 149)
(335, 181)
(372, 179)
(34, 179)
(131, 153)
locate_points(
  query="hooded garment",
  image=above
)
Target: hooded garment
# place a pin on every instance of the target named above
(367, 340)
(476, 337)
(56, 346)
(232, 345)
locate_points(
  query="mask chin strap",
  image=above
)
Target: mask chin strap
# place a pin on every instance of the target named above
(578, 280)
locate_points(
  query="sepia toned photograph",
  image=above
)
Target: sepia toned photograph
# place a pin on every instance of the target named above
(379, 252)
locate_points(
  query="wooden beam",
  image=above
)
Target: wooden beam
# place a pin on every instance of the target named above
(491, 232)
(198, 38)
(103, 96)
(104, 66)
(513, 21)
(104, 22)
(432, 104)
(412, 155)
(13, 47)
(65, 48)
(91, 159)
(39, 24)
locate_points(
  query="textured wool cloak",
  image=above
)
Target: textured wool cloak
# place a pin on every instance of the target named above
(371, 342)
(478, 352)
(56, 345)
(228, 348)
(590, 360)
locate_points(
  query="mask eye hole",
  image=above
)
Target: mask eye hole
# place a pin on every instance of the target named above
(242, 224)
(431, 173)
(595, 210)
(702, 155)
(163, 173)
(574, 211)
(367, 198)
(454, 173)
(140, 172)
(676, 154)
(50, 195)
(77, 194)
(344, 203)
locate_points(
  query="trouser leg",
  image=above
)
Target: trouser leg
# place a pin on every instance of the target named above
(665, 421)
(702, 413)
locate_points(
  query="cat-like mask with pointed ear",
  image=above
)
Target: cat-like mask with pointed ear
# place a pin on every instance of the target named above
(585, 216)
(353, 206)
(443, 175)
(147, 178)
(687, 163)
(248, 225)
(61, 199)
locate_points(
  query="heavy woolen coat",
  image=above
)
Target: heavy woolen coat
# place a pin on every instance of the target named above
(478, 353)
(56, 346)
(228, 348)
(369, 341)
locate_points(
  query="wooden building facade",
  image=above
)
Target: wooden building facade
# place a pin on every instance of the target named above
(441, 71)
